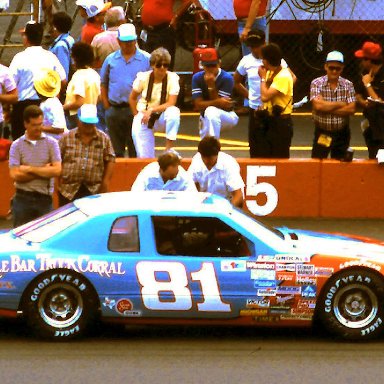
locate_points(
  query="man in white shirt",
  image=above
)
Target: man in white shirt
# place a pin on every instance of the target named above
(165, 174)
(24, 66)
(217, 172)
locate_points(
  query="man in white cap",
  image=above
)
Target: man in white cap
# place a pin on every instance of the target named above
(87, 158)
(95, 13)
(117, 74)
(333, 101)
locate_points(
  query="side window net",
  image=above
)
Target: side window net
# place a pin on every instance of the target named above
(197, 236)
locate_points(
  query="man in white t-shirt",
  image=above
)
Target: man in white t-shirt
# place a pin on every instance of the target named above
(24, 67)
(217, 172)
(165, 174)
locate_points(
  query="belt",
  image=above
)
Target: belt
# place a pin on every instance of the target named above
(246, 18)
(156, 27)
(285, 116)
(121, 105)
(35, 194)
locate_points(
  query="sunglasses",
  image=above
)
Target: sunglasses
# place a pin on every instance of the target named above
(210, 65)
(159, 65)
(337, 69)
(366, 59)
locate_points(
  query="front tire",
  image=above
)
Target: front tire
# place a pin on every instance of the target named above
(59, 304)
(351, 305)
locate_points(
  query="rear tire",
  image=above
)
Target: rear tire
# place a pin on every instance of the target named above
(351, 305)
(60, 304)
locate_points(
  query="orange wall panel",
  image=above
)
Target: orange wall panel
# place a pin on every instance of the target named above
(352, 189)
(285, 188)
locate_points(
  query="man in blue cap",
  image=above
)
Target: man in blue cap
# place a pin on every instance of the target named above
(87, 158)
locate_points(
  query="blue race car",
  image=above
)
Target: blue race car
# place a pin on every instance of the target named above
(184, 258)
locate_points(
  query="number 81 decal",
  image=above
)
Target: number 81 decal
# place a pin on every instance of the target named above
(178, 285)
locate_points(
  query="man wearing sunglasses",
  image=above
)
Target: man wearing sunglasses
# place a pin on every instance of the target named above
(211, 91)
(333, 101)
(371, 87)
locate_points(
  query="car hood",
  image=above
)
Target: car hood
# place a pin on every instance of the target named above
(337, 244)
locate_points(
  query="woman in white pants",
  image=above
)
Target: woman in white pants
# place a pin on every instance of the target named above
(152, 101)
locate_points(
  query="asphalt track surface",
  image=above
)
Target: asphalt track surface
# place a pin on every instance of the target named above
(171, 354)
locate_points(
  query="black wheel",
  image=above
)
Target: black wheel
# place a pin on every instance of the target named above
(351, 304)
(60, 304)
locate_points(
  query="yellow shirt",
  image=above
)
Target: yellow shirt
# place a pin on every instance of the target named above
(283, 82)
(84, 83)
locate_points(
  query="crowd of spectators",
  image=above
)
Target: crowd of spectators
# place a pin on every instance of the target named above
(81, 104)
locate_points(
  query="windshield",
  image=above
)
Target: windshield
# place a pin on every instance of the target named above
(50, 224)
(247, 218)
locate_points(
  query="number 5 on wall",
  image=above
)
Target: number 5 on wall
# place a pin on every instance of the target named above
(254, 188)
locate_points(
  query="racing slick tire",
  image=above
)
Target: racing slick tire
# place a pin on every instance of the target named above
(60, 304)
(351, 305)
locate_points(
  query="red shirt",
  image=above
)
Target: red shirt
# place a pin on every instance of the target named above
(89, 31)
(242, 8)
(156, 12)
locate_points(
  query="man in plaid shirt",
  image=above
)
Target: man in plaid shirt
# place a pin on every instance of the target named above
(333, 101)
(87, 158)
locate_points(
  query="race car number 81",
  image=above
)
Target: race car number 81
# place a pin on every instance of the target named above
(178, 285)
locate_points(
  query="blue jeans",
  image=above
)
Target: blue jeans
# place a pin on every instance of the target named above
(27, 206)
(119, 123)
(260, 23)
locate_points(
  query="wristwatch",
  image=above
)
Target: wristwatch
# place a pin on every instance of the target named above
(263, 80)
(368, 85)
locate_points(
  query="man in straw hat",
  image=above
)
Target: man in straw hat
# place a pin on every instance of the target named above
(47, 85)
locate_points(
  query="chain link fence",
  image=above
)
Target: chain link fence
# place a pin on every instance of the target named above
(306, 30)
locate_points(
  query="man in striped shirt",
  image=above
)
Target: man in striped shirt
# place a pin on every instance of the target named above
(333, 101)
(211, 91)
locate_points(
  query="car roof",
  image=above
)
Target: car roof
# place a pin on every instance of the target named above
(153, 201)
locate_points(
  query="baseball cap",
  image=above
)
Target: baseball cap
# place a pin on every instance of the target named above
(335, 56)
(126, 32)
(47, 82)
(370, 50)
(88, 114)
(93, 7)
(208, 56)
(255, 37)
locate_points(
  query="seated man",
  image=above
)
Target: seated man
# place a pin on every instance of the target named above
(211, 91)
(164, 174)
(217, 172)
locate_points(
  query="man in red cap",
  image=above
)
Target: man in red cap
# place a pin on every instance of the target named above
(211, 92)
(371, 87)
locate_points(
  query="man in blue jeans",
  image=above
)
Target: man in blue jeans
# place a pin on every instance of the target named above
(117, 74)
(34, 161)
